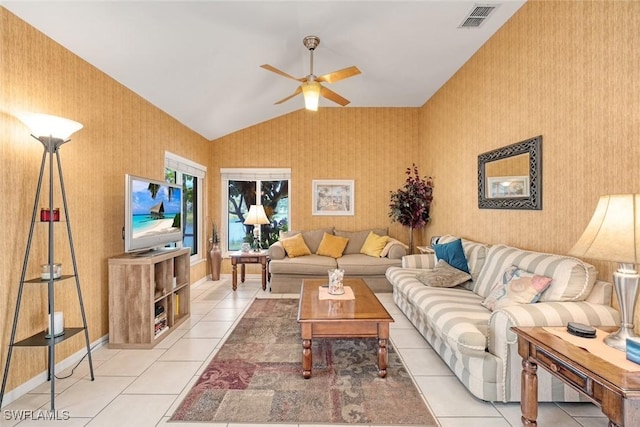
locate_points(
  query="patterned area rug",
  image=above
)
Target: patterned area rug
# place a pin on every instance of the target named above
(256, 377)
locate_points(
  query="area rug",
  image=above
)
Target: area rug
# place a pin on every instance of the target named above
(256, 377)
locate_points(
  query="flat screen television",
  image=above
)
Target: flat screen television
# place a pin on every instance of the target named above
(152, 214)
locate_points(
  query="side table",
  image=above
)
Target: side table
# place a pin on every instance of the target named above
(251, 257)
(615, 390)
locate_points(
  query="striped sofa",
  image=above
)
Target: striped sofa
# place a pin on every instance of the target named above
(477, 344)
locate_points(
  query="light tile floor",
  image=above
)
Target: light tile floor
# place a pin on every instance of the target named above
(144, 387)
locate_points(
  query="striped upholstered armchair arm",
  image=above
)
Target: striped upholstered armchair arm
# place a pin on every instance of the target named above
(420, 261)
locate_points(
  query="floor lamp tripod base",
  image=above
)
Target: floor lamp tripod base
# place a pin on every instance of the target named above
(625, 282)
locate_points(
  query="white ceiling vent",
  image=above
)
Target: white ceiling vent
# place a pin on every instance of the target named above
(478, 15)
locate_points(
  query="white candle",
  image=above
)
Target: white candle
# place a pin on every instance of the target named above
(58, 324)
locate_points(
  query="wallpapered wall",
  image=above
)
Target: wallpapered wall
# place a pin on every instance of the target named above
(122, 134)
(567, 71)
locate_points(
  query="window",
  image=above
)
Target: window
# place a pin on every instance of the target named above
(240, 190)
(190, 175)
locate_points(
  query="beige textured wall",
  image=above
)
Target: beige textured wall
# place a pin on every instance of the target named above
(566, 70)
(372, 146)
(122, 134)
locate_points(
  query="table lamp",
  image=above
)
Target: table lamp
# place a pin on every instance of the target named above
(256, 217)
(613, 234)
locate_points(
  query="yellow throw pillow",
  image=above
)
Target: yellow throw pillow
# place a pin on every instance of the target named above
(332, 246)
(295, 246)
(374, 245)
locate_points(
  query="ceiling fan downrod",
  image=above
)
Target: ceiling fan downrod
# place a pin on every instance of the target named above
(311, 42)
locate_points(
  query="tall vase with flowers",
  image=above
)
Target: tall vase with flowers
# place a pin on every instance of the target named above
(215, 254)
(410, 204)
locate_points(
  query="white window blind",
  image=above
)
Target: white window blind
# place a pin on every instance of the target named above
(187, 166)
(257, 174)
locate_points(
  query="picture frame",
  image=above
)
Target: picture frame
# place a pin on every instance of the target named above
(501, 187)
(333, 197)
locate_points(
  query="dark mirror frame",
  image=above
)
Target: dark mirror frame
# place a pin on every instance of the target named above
(533, 147)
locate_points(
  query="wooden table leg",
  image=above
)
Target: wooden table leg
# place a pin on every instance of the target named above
(383, 352)
(234, 273)
(529, 393)
(242, 273)
(263, 261)
(307, 357)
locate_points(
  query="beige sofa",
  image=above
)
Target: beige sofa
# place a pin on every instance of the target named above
(287, 273)
(476, 343)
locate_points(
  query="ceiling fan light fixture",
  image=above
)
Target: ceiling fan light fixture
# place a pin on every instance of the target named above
(311, 93)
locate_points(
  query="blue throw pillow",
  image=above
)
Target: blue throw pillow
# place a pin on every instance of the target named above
(452, 254)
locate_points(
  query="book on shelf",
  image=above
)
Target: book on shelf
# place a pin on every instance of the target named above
(176, 302)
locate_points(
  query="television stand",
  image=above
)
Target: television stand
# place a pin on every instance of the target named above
(154, 252)
(149, 296)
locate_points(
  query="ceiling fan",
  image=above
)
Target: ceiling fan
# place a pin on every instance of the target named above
(311, 88)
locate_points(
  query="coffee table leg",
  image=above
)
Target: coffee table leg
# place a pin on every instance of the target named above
(383, 352)
(242, 273)
(529, 393)
(307, 358)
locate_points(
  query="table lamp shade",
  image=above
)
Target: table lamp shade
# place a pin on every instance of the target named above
(44, 125)
(256, 216)
(613, 234)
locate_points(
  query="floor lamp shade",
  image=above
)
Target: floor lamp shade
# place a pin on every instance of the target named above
(613, 234)
(44, 125)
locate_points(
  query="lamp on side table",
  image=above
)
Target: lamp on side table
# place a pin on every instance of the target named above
(613, 234)
(256, 217)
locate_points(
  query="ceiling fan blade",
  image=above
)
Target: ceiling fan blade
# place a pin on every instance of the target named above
(297, 92)
(332, 96)
(282, 73)
(339, 75)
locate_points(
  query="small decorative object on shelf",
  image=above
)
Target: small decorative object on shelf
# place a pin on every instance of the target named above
(45, 214)
(245, 247)
(58, 325)
(45, 271)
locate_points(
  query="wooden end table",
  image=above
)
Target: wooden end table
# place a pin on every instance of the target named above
(362, 317)
(251, 257)
(615, 390)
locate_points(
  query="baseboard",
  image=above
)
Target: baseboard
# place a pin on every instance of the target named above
(41, 378)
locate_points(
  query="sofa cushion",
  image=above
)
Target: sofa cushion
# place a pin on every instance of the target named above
(374, 244)
(295, 246)
(276, 251)
(455, 315)
(453, 254)
(357, 238)
(364, 265)
(443, 276)
(476, 254)
(332, 246)
(572, 279)
(313, 265)
(312, 238)
(516, 286)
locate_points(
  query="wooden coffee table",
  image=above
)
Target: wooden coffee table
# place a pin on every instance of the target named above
(362, 317)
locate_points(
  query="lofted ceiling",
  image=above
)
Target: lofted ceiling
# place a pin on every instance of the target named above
(199, 61)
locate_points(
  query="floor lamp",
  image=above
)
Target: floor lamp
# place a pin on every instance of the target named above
(613, 234)
(256, 217)
(51, 132)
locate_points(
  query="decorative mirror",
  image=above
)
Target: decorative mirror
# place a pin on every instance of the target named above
(511, 177)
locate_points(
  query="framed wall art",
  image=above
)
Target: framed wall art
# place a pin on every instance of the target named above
(333, 197)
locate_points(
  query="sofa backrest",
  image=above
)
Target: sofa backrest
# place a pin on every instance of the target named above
(357, 238)
(573, 279)
(312, 238)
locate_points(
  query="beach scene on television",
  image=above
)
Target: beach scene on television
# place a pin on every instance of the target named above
(155, 209)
